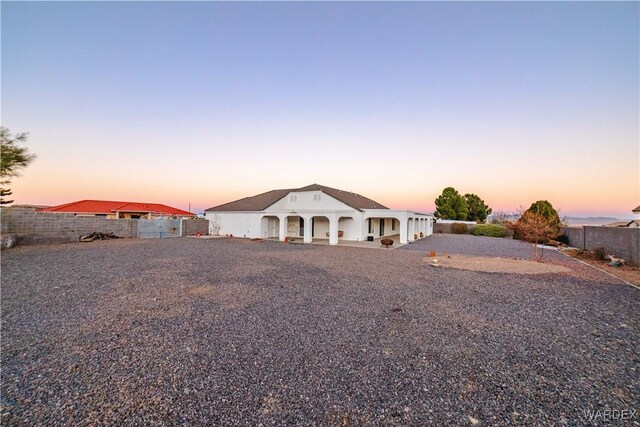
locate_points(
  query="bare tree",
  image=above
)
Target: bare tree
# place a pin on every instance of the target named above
(534, 227)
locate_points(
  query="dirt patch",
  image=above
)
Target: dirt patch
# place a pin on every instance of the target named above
(630, 273)
(496, 265)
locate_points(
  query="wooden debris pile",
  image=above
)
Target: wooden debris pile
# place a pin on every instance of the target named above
(98, 236)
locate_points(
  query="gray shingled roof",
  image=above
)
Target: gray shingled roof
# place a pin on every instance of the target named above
(264, 200)
(636, 210)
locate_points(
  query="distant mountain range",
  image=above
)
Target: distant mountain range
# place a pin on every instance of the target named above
(577, 220)
(592, 220)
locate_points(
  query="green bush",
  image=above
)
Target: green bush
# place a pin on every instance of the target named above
(490, 230)
(459, 228)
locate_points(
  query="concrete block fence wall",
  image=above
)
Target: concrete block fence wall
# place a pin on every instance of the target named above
(618, 241)
(190, 227)
(31, 227)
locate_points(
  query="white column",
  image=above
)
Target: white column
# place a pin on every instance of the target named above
(333, 229)
(307, 229)
(412, 230)
(283, 227)
(403, 230)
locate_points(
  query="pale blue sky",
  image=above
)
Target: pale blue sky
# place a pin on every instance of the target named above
(208, 102)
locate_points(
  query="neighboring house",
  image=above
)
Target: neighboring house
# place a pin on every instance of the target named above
(316, 212)
(112, 209)
(636, 210)
(624, 224)
(27, 206)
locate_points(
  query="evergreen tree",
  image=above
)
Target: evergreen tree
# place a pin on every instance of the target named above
(477, 210)
(546, 209)
(13, 159)
(4, 193)
(451, 205)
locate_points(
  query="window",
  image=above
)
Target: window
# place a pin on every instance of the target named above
(317, 197)
(371, 225)
(301, 227)
(101, 215)
(393, 225)
(293, 198)
(381, 227)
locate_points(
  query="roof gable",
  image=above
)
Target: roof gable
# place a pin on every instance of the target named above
(349, 198)
(262, 201)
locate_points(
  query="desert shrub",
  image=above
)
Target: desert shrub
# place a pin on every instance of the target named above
(459, 228)
(490, 230)
(563, 239)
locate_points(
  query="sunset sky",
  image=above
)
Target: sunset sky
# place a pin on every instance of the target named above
(204, 103)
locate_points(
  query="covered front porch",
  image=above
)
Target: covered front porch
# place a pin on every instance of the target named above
(407, 226)
(310, 227)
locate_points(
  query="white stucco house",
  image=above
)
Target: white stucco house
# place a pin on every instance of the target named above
(316, 212)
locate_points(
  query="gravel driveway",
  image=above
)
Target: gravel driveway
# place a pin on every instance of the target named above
(233, 332)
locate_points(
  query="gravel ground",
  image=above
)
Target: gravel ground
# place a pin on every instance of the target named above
(233, 332)
(466, 244)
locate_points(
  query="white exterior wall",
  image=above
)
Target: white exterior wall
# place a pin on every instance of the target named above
(293, 226)
(270, 227)
(351, 228)
(320, 227)
(388, 225)
(240, 224)
(451, 221)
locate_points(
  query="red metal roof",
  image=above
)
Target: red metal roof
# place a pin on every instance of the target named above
(108, 206)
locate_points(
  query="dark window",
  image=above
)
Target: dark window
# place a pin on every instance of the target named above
(313, 226)
(370, 225)
(381, 227)
(302, 227)
(103, 215)
(393, 225)
(135, 216)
